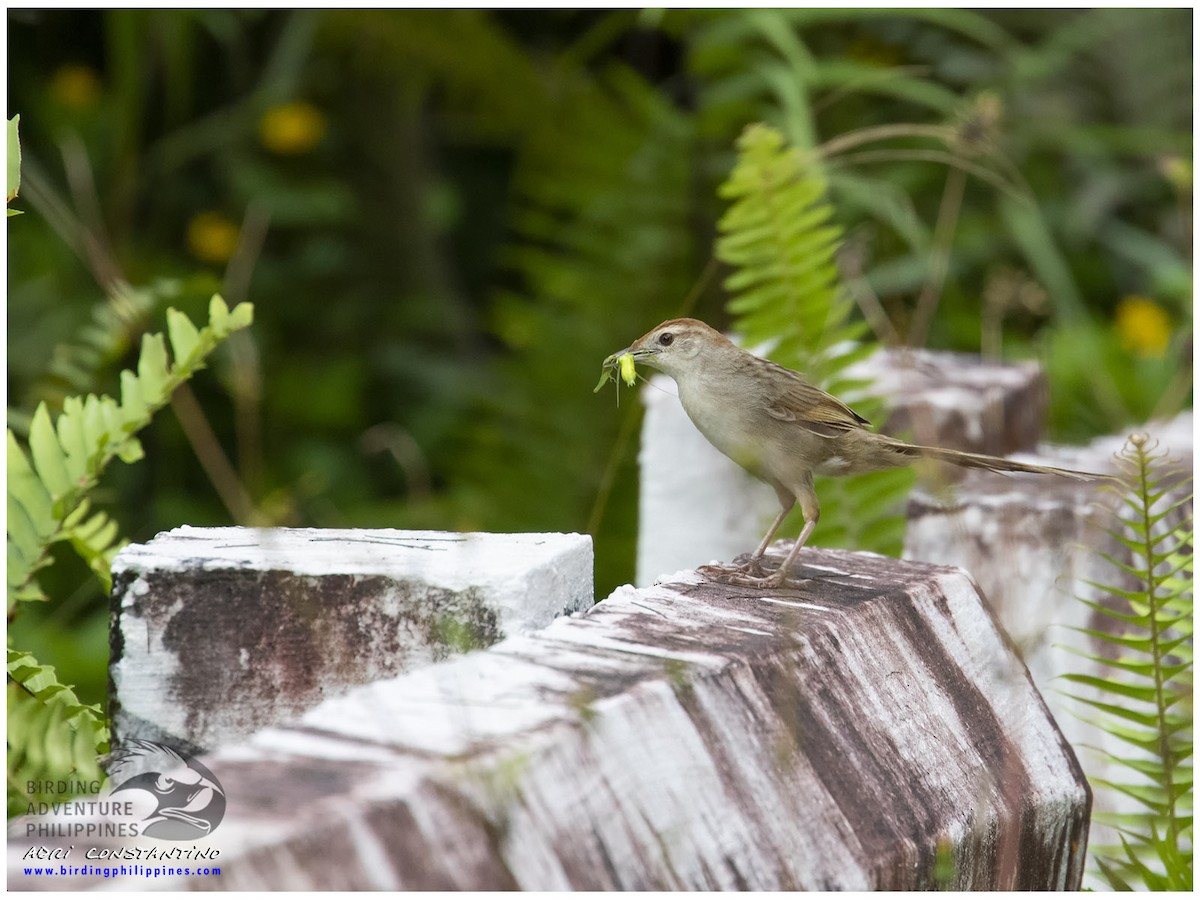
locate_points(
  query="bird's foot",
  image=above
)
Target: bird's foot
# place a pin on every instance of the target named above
(742, 567)
(748, 572)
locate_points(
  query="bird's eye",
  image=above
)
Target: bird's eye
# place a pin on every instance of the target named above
(666, 338)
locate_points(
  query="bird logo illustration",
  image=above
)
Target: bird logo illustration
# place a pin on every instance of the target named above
(173, 797)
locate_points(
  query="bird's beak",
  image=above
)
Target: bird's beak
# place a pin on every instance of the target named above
(626, 360)
(637, 351)
(613, 360)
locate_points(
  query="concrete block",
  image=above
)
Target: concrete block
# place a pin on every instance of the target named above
(218, 632)
(958, 400)
(872, 729)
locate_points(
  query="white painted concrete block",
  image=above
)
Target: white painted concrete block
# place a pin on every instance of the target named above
(219, 631)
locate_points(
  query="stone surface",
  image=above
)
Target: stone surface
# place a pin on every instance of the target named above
(697, 506)
(871, 730)
(217, 632)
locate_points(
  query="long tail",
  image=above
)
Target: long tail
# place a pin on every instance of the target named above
(991, 463)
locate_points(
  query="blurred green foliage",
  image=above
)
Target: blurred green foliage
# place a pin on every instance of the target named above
(446, 219)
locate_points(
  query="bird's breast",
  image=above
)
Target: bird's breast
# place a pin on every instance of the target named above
(730, 420)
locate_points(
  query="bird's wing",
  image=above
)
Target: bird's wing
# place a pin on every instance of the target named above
(812, 408)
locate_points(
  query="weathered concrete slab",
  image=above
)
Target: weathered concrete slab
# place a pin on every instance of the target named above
(871, 731)
(218, 632)
(958, 400)
(696, 505)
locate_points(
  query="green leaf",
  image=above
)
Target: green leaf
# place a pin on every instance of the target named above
(133, 406)
(95, 427)
(70, 436)
(1146, 694)
(185, 339)
(1141, 668)
(29, 500)
(241, 317)
(47, 454)
(1109, 871)
(1152, 769)
(152, 365)
(95, 538)
(43, 746)
(218, 313)
(1147, 720)
(1130, 642)
(130, 450)
(42, 682)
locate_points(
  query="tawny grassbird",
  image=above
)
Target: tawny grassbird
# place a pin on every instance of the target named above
(780, 428)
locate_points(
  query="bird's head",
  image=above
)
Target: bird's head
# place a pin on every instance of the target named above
(676, 345)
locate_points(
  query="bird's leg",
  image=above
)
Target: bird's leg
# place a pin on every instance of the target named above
(752, 568)
(766, 541)
(810, 509)
(751, 574)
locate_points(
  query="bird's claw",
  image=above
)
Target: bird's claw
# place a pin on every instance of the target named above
(747, 572)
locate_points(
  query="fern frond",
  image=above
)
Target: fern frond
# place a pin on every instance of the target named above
(779, 238)
(51, 733)
(45, 742)
(47, 488)
(753, 64)
(1141, 687)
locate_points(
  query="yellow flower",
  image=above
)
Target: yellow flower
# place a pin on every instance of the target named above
(1143, 325)
(75, 86)
(211, 237)
(291, 128)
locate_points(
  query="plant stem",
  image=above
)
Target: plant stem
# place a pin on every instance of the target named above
(943, 236)
(212, 458)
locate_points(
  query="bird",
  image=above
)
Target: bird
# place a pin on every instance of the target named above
(782, 429)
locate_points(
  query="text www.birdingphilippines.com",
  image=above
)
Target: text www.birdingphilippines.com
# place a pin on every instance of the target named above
(123, 870)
